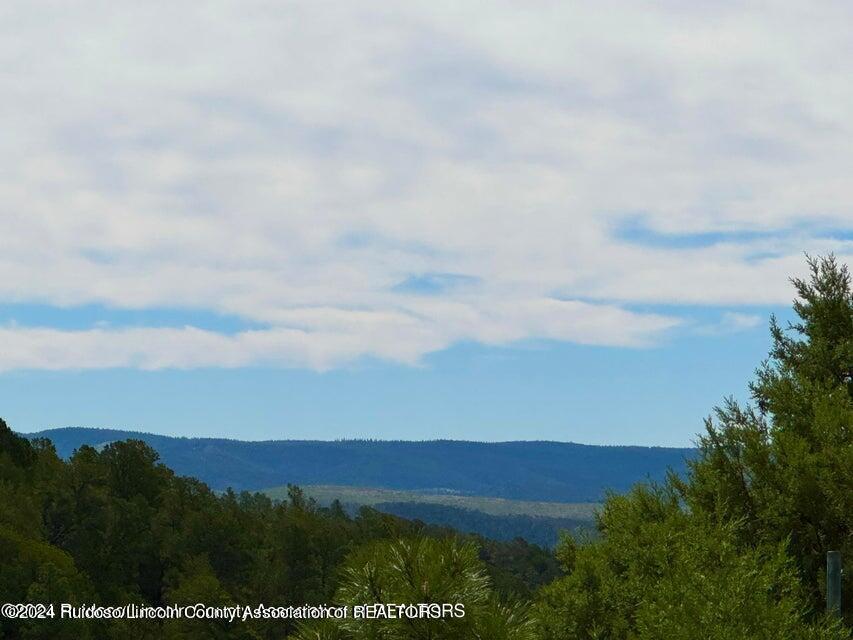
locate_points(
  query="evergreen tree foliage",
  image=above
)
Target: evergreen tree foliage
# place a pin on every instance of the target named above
(785, 466)
(660, 571)
(422, 570)
(736, 549)
(114, 526)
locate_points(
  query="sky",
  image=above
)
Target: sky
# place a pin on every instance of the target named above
(472, 220)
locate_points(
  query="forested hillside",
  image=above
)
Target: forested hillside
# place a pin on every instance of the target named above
(542, 471)
(371, 496)
(116, 526)
(539, 530)
(497, 518)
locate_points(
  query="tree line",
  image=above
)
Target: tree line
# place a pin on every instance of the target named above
(114, 526)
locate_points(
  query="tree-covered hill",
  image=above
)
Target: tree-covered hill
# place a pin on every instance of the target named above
(541, 471)
(371, 496)
(539, 530)
(497, 518)
(114, 526)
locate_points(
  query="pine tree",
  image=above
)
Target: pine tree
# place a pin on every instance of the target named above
(784, 467)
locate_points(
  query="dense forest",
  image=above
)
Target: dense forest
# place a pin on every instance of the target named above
(539, 530)
(115, 526)
(540, 471)
(733, 550)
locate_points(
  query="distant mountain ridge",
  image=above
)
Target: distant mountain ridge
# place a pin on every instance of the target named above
(521, 470)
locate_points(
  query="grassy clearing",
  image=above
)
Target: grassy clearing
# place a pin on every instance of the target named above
(367, 496)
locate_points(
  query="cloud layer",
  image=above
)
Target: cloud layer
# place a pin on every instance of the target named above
(386, 180)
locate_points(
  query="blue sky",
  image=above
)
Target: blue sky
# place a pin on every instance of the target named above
(535, 390)
(470, 219)
(538, 390)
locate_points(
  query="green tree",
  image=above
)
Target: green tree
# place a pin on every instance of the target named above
(114, 526)
(785, 466)
(736, 549)
(422, 570)
(659, 571)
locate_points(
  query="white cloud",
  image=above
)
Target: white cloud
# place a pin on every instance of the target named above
(291, 163)
(740, 321)
(332, 337)
(731, 322)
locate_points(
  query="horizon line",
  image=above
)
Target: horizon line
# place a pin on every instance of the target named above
(319, 440)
